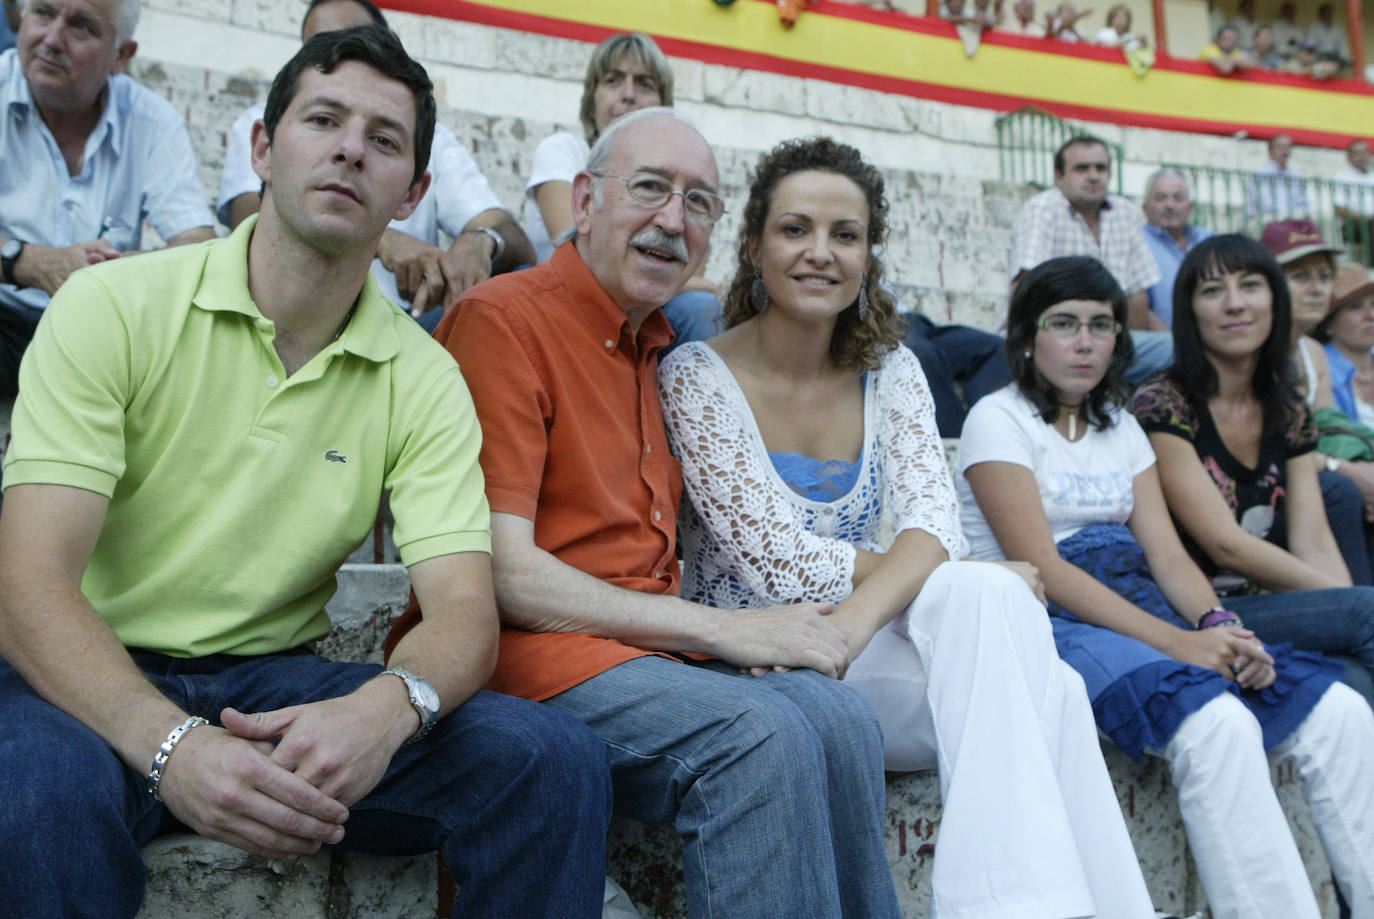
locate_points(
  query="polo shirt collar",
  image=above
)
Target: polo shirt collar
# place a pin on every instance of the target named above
(224, 288)
(606, 317)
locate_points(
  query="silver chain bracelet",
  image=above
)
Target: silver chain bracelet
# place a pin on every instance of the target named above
(164, 752)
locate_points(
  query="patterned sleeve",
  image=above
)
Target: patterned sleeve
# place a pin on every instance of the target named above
(1030, 237)
(920, 492)
(1161, 407)
(726, 476)
(1301, 434)
(1144, 269)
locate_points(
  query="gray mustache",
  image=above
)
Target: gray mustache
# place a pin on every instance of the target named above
(655, 238)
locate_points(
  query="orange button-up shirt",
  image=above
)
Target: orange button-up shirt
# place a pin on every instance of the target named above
(573, 439)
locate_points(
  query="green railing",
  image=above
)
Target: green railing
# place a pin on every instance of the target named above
(1027, 140)
(1241, 201)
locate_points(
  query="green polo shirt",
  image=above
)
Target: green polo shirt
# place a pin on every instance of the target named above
(235, 492)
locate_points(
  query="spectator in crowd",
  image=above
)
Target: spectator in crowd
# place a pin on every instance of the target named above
(1244, 24)
(970, 22)
(1355, 205)
(1273, 189)
(1306, 62)
(1117, 32)
(1287, 33)
(1054, 472)
(626, 72)
(98, 155)
(983, 686)
(961, 364)
(1023, 21)
(1224, 54)
(1328, 36)
(1168, 211)
(1062, 23)
(1079, 217)
(1309, 267)
(412, 268)
(1264, 54)
(174, 524)
(562, 360)
(1348, 335)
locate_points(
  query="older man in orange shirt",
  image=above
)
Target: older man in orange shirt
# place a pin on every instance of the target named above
(776, 781)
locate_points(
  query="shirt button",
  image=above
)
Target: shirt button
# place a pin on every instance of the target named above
(272, 382)
(648, 448)
(609, 344)
(658, 574)
(658, 515)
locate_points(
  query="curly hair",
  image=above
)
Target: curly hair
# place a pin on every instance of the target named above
(1071, 277)
(856, 343)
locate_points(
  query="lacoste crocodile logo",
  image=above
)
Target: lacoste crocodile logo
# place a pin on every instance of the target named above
(334, 456)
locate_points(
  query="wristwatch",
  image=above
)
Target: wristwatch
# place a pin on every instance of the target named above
(9, 254)
(422, 697)
(496, 238)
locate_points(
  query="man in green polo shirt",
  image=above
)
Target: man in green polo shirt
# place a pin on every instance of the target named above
(201, 437)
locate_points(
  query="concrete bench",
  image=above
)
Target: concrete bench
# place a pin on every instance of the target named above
(188, 875)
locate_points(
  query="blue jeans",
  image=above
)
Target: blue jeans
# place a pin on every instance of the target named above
(1345, 516)
(775, 783)
(951, 354)
(695, 315)
(1154, 351)
(1339, 622)
(515, 795)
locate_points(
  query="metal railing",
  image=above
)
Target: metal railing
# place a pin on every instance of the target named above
(1241, 201)
(1026, 143)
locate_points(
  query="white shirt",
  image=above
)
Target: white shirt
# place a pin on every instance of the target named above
(1361, 199)
(558, 158)
(457, 193)
(1089, 481)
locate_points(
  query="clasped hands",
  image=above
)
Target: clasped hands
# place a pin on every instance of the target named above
(279, 783)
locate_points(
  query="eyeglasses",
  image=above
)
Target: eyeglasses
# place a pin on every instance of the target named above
(1062, 326)
(653, 190)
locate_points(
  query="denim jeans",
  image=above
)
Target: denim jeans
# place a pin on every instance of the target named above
(695, 315)
(775, 783)
(515, 795)
(1345, 516)
(1154, 351)
(1338, 622)
(951, 354)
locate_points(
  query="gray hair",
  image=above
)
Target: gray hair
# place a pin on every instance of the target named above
(125, 19)
(601, 153)
(1172, 173)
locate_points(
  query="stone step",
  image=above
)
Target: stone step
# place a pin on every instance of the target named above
(188, 875)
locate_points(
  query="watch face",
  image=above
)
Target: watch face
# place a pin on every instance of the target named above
(426, 696)
(11, 248)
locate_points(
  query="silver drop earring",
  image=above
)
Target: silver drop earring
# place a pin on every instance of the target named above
(758, 294)
(863, 300)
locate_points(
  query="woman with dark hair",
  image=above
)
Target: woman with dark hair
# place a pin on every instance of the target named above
(1236, 448)
(1054, 472)
(797, 429)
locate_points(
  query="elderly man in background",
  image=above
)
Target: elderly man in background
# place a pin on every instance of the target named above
(88, 156)
(1354, 199)
(1168, 210)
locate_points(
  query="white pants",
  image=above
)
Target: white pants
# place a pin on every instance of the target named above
(1245, 854)
(968, 679)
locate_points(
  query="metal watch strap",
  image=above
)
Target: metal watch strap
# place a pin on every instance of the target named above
(164, 752)
(413, 683)
(496, 237)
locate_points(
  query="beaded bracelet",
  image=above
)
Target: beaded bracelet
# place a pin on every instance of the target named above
(154, 778)
(1218, 615)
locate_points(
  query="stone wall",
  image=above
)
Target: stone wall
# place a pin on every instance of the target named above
(502, 91)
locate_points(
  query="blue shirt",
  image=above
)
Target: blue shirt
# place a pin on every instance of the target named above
(1342, 381)
(1168, 256)
(138, 165)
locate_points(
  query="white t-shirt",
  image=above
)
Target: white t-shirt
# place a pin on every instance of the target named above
(457, 193)
(1089, 481)
(558, 158)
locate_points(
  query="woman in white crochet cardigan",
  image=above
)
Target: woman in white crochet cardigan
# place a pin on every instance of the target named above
(798, 429)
